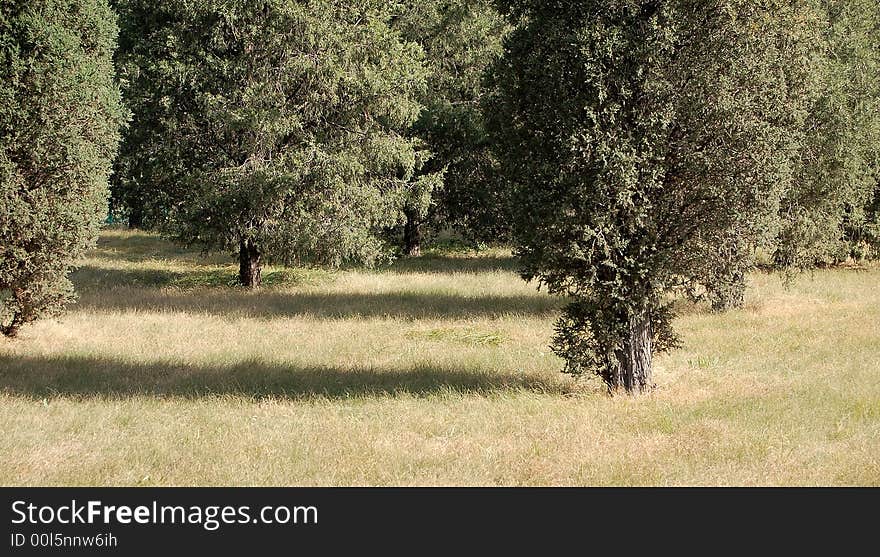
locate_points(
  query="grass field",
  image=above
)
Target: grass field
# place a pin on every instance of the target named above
(427, 372)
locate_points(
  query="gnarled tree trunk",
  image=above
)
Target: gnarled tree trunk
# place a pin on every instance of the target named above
(250, 266)
(633, 358)
(412, 235)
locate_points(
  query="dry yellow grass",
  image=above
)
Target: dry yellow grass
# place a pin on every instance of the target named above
(431, 372)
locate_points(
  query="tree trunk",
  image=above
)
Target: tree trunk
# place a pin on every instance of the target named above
(412, 235)
(11, 330)
(729, 293)
(135, 218)
(250, 266)
(633, 358)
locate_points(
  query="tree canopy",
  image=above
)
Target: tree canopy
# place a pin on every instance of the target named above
(638, 136)
(60, 115)
(276, 129)
(461, 39)
(824, 212)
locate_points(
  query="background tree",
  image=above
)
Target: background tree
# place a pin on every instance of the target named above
(868, 234)
(59, 121)
(637, 134)
(825, 213)
(459, 186)
(276, 128)
(134, 193)
(825, 209)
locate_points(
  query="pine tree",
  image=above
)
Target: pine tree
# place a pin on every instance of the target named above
(59, 122)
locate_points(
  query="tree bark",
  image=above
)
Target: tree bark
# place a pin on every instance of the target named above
(11, 330)
(250, 266)
(135, 218)
(633, 371)
(412, 235)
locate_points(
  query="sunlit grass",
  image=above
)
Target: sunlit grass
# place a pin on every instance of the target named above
(427, 372)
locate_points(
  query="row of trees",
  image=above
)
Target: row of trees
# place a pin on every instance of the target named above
(633, 150)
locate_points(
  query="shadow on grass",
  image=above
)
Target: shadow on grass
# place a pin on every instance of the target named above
(211, 289)
(270, 304)
(88, 277)
(140, 247)
(40, 377)
(434, 263)
(143, 290)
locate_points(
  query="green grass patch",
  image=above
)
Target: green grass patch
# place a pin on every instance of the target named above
(467, 335)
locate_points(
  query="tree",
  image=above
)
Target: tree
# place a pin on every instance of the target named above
(869, 233)
(59, 121)
(825, 214)
(134, 196)
(638, 135)
(825, 211)
(458, 186)
(276, 129)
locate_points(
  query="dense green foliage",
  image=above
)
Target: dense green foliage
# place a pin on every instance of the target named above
(641, 136)
(461, 39)
(869, 232)
(826, 213)
(59, 121)
(277, 129)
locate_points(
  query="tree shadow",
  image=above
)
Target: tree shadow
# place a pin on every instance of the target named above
(87, 277)
(209, 292)
(139, 247)
(434, 263)
(46, 377)
(232, 302)
(90, 277)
